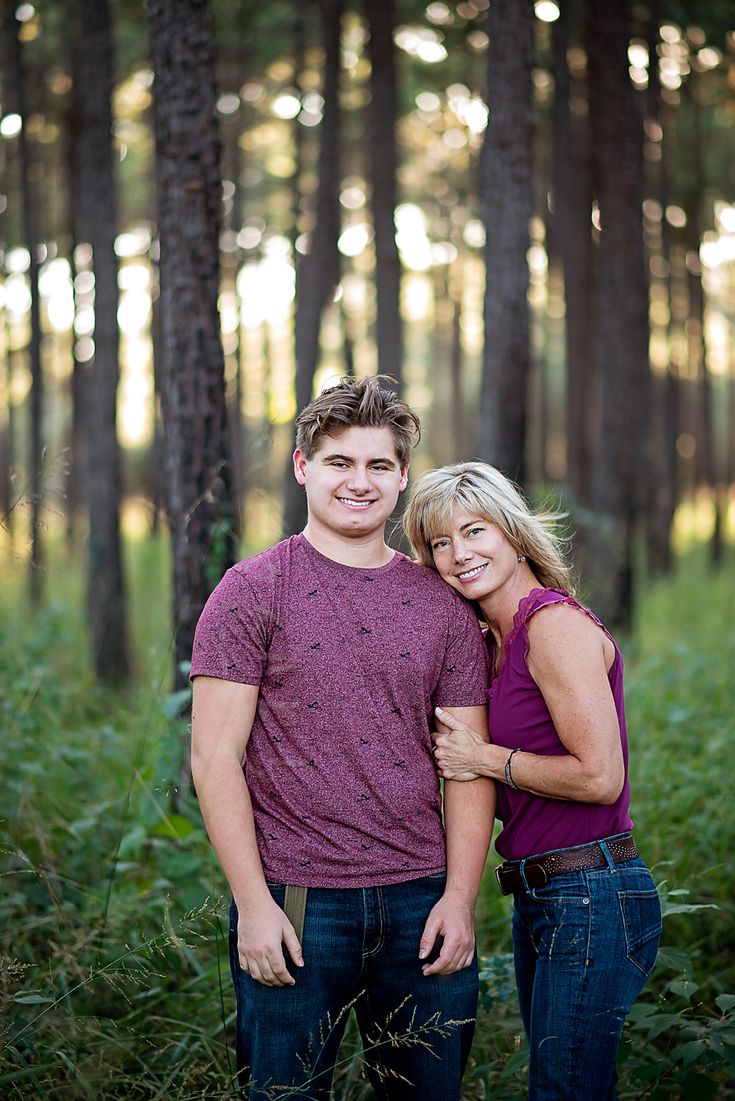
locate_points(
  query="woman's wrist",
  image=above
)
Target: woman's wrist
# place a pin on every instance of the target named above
(508, 770)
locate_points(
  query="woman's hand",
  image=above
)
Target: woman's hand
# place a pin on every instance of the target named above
(457, 748)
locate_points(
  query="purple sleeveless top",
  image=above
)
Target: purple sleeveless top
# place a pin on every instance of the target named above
(520, 718)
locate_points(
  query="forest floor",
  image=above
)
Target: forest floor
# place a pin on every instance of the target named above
(113, 963)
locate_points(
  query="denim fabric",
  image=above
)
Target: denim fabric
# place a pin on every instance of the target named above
(361, 951)
(584, 945)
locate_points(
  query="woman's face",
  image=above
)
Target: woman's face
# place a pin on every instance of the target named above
(474, 556)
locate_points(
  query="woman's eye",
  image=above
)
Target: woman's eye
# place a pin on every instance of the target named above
(476, 531)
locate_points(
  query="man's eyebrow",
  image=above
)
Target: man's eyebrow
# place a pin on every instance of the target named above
(350, 459)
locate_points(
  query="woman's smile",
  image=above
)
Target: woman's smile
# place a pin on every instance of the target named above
(470, 575)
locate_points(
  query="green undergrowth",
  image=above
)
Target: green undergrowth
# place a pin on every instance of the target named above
(113, 961)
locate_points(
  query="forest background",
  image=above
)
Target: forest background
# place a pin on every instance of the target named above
(525, 214)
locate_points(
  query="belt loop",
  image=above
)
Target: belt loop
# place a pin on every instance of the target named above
(606, 853)
(522, 873)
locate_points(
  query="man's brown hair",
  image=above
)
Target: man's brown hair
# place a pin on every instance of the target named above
(358, 403)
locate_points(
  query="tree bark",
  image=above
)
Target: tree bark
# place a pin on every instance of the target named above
(623, 312)
(572, 198)
(188, 184)
(319, 269)
(105, 583)
(157, 454)
(507, 197)
(6, 425)
(661, 485)
(706, 457)
(6, 381)
(76, 486)
(456, 363)
(384, 167)
(16, 87)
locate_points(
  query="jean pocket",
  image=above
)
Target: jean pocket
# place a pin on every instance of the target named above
(641, 913)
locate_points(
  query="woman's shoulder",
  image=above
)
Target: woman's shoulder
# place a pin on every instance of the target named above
(541, 598)
(569, 623)
(561, 598)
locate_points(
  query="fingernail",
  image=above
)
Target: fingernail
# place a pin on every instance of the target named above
(438, 711)
(422, 953)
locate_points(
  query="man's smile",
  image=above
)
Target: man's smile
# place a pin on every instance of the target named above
(352, 502)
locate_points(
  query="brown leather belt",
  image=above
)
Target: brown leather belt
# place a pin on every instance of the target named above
(541, 869)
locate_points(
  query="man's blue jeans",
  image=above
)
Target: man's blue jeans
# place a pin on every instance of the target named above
(360, 951)
(584, 945)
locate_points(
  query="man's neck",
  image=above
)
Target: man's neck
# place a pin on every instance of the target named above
(367, 552)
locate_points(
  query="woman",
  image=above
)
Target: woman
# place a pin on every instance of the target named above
(586, 918)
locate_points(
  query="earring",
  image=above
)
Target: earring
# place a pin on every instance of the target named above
(521, 558)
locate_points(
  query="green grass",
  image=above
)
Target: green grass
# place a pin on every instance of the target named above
(113, 975)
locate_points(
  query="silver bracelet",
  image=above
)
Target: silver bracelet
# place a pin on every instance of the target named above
(508, 774)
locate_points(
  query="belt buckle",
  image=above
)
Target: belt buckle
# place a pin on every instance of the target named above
(538, 867)
(502, 871)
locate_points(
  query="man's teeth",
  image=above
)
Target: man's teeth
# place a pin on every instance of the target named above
(472, 573)
(354, 504)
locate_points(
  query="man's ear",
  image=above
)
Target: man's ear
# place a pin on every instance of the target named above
(299, 466)
(404, 479)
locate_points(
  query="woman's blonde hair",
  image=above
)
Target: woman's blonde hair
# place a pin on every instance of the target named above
(483, 491)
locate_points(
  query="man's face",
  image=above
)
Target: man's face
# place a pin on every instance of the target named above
(352, 481)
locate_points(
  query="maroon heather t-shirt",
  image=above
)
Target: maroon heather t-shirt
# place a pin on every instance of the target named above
(350, 663)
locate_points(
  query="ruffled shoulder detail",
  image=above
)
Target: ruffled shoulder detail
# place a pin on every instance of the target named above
(556, 596)
(536, 599)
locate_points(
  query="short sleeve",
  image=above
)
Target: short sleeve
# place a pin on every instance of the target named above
(232, 635)
(465, 675)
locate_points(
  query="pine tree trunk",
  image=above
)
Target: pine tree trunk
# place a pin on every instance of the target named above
(661, 485)
(572, 191)
(623, 312)
(6, 381)
(706, 450)
(78, 383)
(16, 88)
(6, 439)
(188, 184)
(319, 270)
(299, 50)
(157, 453)
(384, 166)
(456, 363)
(105, 584)
(507, 198)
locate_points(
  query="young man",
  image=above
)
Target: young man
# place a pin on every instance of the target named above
(317, 666)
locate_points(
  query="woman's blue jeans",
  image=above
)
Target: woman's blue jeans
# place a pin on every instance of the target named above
(360, 951)
(584, 945)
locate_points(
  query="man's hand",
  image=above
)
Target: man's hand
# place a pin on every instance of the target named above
(454, 922)
(262, 931)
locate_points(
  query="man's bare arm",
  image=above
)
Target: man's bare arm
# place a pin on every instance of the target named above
(222, 720)
(469, 811)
